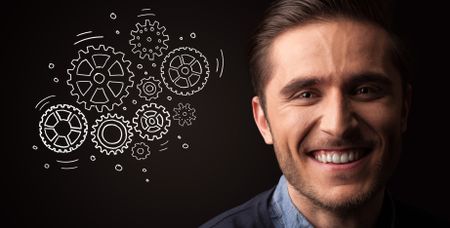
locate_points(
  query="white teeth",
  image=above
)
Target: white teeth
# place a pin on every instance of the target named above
(337, 158)
(344, 158)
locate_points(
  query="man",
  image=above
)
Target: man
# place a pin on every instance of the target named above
(333, 98)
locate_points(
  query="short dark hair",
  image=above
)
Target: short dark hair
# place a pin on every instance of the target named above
(285, 14)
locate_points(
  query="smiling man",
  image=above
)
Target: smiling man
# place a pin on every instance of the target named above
(333, 98)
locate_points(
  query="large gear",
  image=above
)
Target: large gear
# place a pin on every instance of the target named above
(184, 114)
(149, 40)
(140, 151)
(111, 134)
(152, 121)
(185, 71)
(63, 128)
(100, 77)
(149, 88)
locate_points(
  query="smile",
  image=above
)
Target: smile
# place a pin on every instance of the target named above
(339, 156)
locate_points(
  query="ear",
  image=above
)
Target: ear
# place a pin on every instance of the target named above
(261, 121)
(406, 106)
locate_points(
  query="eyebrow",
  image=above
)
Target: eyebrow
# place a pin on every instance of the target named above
(299, 84)
(310, 81)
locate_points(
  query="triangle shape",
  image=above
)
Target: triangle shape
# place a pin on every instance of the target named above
(100, 60)
(84, 86)
(84, 68)
(99, 96)
(116, 69)
(116, 88)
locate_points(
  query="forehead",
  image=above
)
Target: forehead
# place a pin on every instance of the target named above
(334, 48)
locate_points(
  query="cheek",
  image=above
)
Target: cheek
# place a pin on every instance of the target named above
(290, 125)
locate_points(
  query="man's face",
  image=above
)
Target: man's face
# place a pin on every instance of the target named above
(335, 110)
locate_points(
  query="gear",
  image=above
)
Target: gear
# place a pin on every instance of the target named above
(140, 151)
(149, 88)
(63, 128)
(152, 121)
(149, 40)
(185, 71)
(111, 134)
(100, 77)
(184, 114)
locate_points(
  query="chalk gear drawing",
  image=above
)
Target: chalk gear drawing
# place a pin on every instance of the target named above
(111, 134)
(63, 128)
(149, 88)
(149, 40)
(140, 151)
(100, 77)
(185, 71)
(184, 114)
(152, 121)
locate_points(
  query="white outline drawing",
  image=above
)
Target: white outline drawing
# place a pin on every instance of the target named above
(149, 40)
(152, 121)
(140, 151)
(87, 38)
(184, 114)
(44, 99)
(113, 16)
(63, 128)
(145, 14)
(149, 88)
(185, 146)
(221, 64)
(185, 71)
(67, 162)
(118, 167)
(100, 77)
(100, 140)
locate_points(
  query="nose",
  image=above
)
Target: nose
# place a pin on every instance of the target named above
(338, 118)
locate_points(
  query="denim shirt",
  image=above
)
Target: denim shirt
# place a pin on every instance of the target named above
(282, 211)
(284, 214)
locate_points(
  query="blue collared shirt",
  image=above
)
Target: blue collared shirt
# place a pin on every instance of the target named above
(283, 211)
(284, 214)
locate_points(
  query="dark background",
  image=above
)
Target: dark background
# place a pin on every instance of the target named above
(227, 162)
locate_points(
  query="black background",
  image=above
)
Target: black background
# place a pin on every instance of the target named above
(227, 162)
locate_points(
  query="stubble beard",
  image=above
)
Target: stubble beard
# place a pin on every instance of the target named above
(307, 190)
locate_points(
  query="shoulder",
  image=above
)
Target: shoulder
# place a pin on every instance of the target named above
(253, 213)
(410, 216)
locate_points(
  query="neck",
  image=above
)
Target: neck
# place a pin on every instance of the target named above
(364, 216)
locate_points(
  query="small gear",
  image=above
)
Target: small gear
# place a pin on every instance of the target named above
(149, 88)
(184, 114)
(152, 121)
(100, 77)
(185, 71)
(111, 134)
(63, 128)
(140, 151)
(149, 40)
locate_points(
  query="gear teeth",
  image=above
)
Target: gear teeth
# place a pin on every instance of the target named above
(120, 123)
(51, 143)
(156, 120)
(179, 53)
(86, 99)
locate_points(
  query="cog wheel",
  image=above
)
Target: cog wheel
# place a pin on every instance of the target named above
(149, 40)
(100, 77)
(63, 128)
(140, 151)
(152, 121)
(184, 114)
(111, 134)
(185, 71)
(149, 88)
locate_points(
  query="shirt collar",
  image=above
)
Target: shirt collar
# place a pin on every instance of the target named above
(284, 213)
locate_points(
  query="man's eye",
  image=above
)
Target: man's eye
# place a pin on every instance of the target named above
(368, 92)
(306, 95)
